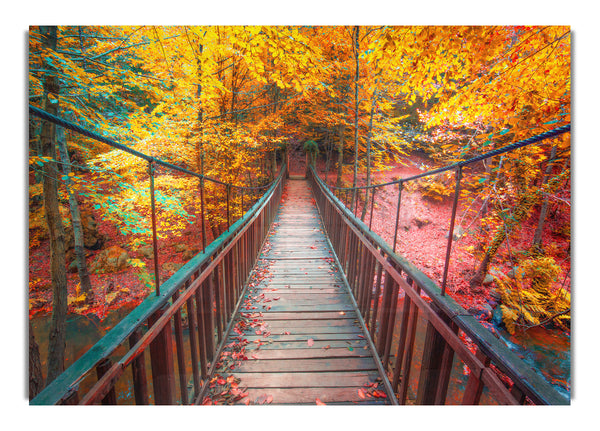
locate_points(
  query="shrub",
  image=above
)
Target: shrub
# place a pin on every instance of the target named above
(537, 304)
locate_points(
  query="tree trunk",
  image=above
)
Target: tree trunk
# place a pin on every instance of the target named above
(36, 380)
(34, 145)
(56, 346)
(537, 237)
(274, 153)
(199, 142)
(340, 164)
(84, 275)
(327, 155)
(355, 35)
(274, 163)
(524, 205)
(369, 137)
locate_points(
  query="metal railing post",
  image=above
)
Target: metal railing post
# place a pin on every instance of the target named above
(397, 215)
(202, 214)
(451, 230)
(228, 198)
(154, 236)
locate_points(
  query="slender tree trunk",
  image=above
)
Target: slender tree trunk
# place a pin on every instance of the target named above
(36, 379)
(274, 163)
(356, 77)
(233, 94)
(34, 145)
(327, 155)
(340, 164)
(84, 275)
(274, 152)
(369, 137)
(199, 142)
(537, 237)
(56, 347)
(524, 205)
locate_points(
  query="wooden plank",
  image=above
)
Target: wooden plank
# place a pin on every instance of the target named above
(274, 306)
(309, 353)
(331, 323)
(306, 380)
(315, 290)
(318, 344)
(299, 298)
(299, 316)
(293, 337)
(307, 365)
(310, 330)
(307, 395)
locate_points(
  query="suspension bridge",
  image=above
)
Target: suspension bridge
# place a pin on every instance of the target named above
(297, 303)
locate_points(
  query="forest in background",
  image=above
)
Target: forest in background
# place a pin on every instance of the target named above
(229, 102)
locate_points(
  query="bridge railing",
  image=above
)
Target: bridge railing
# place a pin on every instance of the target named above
(206, 290)
(165, 348)
(389, 289)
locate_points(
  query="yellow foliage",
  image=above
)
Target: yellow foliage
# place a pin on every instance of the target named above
(435, 187)
(536, 304)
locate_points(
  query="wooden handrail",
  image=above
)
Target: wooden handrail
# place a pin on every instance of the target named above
(354, 242)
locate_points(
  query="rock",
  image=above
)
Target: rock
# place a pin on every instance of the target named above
(92, 238)
(497, 316)
(495, 295)
(171, 267)
(115, 297)
(489, 279)
(146, 251)
(489, 310)
(189, 253)
(457, 234)
(484, 312)
(421, 222)
(180, 248)
(512, 273)
(112, 259)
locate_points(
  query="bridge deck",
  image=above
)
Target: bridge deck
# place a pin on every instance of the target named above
(297, 325)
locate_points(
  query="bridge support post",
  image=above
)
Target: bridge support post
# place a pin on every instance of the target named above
(138, 371)
(474, 387)
(435, 367)
(103, 366)
(161, 358)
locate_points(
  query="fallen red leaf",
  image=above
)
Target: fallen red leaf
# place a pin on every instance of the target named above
(379, 394)
(319, 402)
(361, 393)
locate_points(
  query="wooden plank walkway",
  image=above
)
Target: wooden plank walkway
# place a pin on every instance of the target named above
(296, 338)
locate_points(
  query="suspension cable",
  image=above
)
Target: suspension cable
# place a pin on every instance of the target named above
(82, 131)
